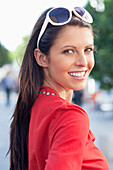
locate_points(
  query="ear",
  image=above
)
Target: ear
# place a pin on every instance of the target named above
(41, 58)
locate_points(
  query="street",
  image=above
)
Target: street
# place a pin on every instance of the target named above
(5, 119)
(101, 126)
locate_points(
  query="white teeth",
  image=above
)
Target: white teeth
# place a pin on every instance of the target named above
(79, 74)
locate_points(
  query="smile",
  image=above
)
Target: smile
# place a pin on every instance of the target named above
(77, 74)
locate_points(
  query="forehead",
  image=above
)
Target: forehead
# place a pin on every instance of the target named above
(75, 35)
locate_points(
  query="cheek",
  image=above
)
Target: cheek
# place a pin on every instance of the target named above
(60, 65)
(91, 63)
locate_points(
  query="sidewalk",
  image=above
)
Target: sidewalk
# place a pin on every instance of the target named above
(101, 125)
(5, 116)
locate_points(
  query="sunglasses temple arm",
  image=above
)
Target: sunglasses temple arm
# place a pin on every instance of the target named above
(42, 31)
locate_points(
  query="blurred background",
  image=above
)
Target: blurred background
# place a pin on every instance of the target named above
(17, 19)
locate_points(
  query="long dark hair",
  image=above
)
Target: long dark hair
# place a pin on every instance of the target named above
(31, 78)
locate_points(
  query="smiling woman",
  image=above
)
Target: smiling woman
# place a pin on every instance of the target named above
(48, 132)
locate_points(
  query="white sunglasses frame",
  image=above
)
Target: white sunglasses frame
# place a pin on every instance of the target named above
(48, 20)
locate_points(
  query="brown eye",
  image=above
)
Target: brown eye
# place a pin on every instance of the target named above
(69, 51)
(88, 49)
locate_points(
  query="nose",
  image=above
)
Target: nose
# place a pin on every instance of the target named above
(81, 59)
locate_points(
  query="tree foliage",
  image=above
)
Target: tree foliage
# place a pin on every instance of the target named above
(5, 55)
(103, 23)
(19, 52)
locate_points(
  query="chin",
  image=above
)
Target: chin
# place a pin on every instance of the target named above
(79, 88)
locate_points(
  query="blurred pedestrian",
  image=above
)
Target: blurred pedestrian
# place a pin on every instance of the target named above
(8, 84)
(48, 132)
(77, 97)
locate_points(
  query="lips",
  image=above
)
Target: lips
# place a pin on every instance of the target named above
(77, 74)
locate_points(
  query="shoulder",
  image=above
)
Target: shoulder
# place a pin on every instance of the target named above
(68, 114)
(58, 107)
(64, 108)
(69, 123)
(59, 111)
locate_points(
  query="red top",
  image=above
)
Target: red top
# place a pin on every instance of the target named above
(59, 136)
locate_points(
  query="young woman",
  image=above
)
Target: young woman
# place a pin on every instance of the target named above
(48, 132)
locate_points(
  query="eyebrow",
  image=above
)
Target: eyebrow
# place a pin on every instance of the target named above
(76, 47)
(69, 46)
(90, 45)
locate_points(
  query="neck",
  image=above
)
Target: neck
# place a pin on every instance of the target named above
(66, 95)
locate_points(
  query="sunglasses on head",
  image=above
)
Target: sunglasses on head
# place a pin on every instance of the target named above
(61, 16)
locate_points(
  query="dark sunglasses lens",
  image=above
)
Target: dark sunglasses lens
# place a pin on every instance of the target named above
(80, 11)
(59, 15)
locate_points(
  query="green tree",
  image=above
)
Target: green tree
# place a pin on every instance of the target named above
(5, 55)
(103, 22)
(19, 52)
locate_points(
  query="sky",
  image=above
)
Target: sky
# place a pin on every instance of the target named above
(18, 17)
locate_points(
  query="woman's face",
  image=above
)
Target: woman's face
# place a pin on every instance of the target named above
(71, 58)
